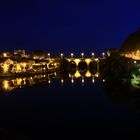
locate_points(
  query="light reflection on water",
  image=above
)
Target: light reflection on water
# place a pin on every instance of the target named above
(10, 84)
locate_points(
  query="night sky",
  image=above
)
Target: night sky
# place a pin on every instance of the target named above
(67, 25)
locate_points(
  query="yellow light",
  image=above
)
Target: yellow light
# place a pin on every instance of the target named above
(24, 65)
(77, 74)
(49, 54)
(77, 61)
(4, 54)
(19, 80)
(88, 61)
(103, 80)
(24, 81)
(18, 68)
(5, 68)
(5, 85)
(97, 59)
(88, 74)
(97, 74)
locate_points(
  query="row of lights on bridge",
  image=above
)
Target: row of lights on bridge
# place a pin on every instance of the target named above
(72, 80)
(82, 55)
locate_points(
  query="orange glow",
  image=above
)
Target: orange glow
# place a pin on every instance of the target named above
(134, 55)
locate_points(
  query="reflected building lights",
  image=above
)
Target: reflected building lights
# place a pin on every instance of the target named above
(49, 81)
(55, 74)
(14, 83)
(5, 85)
(97, 74)
(83, 80)
(88, 74)
(72, 81)
(5, 68)
(62, 81)
(93, 80)
(19, 80)
(135, 62)
(77, 74)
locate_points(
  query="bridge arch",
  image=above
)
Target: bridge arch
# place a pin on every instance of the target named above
(92, 64)
(87, 60)
(82, 67)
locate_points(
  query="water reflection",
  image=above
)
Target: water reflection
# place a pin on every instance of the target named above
(10, 84)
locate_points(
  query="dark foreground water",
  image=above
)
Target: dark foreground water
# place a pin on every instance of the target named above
(63, 110)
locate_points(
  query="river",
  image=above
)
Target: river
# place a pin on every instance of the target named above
(47, 105)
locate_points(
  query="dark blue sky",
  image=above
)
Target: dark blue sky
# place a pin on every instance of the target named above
(67, 25)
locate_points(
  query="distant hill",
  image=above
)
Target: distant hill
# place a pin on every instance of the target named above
(132, 43)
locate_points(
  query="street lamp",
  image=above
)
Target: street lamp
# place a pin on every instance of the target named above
(48, 54)
(4, 54)
(72, 54)
(92, 54)
(103, 54)
(61, 55)
(5, 84)
(82, 54)
(72, 80)
(93, 80)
